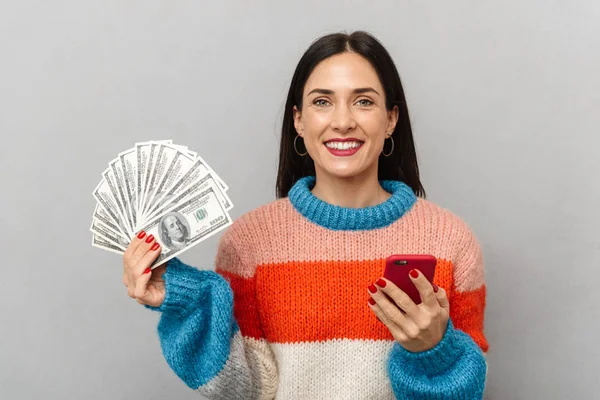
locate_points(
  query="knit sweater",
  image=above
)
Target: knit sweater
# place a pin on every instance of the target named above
(285, 313)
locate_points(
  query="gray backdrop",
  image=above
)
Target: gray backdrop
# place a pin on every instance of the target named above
(504, 99)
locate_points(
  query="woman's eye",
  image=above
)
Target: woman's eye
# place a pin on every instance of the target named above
(320, 102)
(365, 102)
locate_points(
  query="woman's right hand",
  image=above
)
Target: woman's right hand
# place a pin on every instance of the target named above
(144, 285)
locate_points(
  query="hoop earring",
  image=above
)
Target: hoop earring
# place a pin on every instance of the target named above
(296, 148)
(391, 151)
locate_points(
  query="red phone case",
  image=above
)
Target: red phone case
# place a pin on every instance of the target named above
(398, 266)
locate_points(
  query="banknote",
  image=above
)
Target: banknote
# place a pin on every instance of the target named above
(105, 245)
(108, 235)
(163, 188)
(188, 223)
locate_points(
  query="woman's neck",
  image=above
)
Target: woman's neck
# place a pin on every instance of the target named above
(353, 192)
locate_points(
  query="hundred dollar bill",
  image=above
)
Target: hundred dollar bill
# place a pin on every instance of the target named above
(119, 180)
(110, 179)
(191, 178)
(152, 153)
(180, 164)
(108, 235)
(164, 157)
(142, 151)
(101, 215)
(105, 245)
(188, 224)
(103, 195)
(129, 165)
(197, 186)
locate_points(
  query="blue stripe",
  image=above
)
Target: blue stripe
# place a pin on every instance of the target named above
(342, 218)
(454, 369)
(197, 323)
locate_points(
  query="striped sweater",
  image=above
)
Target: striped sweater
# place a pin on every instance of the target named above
(285, 314)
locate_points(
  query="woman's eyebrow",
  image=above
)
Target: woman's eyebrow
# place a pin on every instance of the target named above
(355, 91)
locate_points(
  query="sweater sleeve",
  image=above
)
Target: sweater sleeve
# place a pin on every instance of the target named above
(201, 338)
(456, 368)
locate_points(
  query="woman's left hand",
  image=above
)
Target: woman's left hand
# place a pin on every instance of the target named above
(416, 327)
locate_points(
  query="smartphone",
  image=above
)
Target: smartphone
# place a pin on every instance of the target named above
(398, 267)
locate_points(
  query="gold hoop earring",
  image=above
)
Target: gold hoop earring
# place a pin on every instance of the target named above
(296, 148)
(391, 151)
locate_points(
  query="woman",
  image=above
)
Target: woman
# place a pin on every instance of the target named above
(297, 307)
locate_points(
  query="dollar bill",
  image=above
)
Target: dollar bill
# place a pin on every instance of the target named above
(180, 184)
(104, 197)
(101, 215)
(179, 162)
(110, 180)
(142, 151)
(113, 238)
(188, 224)
(129, 165)
(105, 245)
(120, 185)
(202, 182)
(163, 158)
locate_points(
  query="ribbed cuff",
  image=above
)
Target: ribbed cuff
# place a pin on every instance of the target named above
(183, 286)
(438, 359)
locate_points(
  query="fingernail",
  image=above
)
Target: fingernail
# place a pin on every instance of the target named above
(435, 288)
(371, 301)
(381, 283)
(414, 273)
(147, 271)
(155, 246)
(141, 234)
(372, 289)
(149, 238)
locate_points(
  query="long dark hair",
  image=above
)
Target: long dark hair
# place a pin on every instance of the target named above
(401, 164)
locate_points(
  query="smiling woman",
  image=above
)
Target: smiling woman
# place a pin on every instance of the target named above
(297, 307)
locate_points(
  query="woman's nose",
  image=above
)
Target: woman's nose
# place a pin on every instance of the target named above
(343, 119)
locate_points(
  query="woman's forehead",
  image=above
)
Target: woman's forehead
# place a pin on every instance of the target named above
(343, 72)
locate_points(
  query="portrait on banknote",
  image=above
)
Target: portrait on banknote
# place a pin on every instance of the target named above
(174, 231)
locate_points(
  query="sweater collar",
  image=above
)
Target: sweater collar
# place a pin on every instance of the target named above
(342, 218)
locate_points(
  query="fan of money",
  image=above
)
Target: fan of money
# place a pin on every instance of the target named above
(163, 189)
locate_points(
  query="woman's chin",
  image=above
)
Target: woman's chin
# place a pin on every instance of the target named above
(344, 172)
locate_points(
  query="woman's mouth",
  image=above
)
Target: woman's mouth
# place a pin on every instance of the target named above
(343, 148)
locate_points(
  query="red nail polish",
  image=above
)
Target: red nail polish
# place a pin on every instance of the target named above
(147, 271)
(141, 234)
(155, 246)
(414, 273)
(381, 283)
(435, 288)
(372, 289)
(371, 301)
(149, 238)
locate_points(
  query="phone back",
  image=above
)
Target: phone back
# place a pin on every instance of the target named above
(398, 267)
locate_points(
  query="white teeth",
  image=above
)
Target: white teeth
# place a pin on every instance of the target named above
(343, 145)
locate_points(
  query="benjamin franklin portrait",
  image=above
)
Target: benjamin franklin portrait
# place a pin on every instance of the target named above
(174, 231)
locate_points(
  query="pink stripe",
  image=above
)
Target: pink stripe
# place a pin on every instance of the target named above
(277, 233)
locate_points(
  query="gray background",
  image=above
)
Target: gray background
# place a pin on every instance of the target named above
(504, 98)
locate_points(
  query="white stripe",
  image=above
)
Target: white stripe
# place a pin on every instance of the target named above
(340, 369)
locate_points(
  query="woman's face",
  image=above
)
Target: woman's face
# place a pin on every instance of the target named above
(344, 121)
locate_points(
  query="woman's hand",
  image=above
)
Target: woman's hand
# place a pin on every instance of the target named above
(416, 327)
(145, 285)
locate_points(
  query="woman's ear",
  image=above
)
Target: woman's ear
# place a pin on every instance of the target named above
(392, 120)
(298, 121)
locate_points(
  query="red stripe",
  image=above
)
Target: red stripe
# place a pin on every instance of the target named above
(467, 313)
(245, 307)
